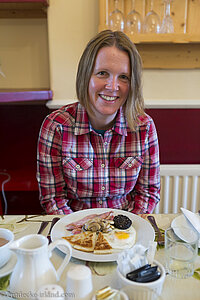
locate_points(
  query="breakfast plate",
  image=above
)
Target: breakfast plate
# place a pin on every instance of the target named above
(144, 232)
(181, 221)
(9, 266)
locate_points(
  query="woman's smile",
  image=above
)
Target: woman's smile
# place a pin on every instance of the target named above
(108, 98)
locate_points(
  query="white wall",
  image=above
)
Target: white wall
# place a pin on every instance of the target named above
(28, 47)
(24, 53)
(171, 84)
(71, 24)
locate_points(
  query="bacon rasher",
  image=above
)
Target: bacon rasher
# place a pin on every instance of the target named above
(77, 226)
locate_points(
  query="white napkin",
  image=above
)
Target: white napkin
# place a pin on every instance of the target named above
(193, 218)
(132, 259)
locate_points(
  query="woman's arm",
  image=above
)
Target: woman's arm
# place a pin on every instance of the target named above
(49, 169)
(146, 193)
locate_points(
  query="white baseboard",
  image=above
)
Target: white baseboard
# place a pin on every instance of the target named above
(150, 103)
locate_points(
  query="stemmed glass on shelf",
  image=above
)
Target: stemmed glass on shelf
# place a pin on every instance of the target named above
(152, 21)
(116, 18)
(133, 21)
(167, 23)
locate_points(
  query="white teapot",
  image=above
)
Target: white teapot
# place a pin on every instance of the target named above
(34, 268)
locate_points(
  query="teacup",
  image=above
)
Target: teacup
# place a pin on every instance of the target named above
(6, 238)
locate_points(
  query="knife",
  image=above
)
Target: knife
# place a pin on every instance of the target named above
(42, 226)
(52, 224)
(160, 239)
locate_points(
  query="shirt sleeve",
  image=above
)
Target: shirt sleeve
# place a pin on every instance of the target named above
(146, 193)
(49, 169)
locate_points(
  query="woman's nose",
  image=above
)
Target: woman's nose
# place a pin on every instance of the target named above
(112, 84)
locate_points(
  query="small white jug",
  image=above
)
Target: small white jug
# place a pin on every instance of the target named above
(34, 268)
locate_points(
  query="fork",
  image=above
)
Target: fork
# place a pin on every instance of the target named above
(161, 239)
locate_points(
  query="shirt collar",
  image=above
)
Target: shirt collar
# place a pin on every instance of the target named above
(83, 126)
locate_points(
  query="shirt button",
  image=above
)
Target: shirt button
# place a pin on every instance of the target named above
(130, 165)
(103, 188)
(78, 167)
(100, 202)
(105, 143)
(103, 165)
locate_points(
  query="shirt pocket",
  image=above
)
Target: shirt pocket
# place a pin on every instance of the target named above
(126, 171)
(128, 163)
(77, 164)
(77, 175)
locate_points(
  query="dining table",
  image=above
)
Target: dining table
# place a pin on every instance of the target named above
(104, 273)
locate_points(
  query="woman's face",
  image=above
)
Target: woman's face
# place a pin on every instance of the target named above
(109, 84)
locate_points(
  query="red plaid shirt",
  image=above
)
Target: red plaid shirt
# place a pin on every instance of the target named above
(79, 168)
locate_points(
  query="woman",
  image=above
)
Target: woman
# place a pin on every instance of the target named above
(103, 150)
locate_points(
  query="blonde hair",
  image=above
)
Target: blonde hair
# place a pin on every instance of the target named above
(134, 105)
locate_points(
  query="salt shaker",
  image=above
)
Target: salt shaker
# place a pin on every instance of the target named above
(79, 283)
(51, 292)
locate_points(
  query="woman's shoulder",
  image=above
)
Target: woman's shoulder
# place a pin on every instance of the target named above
(145, 120)
(64, 114)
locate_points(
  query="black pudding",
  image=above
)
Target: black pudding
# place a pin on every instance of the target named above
(122, 222)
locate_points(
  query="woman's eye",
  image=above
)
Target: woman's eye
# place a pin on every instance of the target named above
(101, 73)
(124, 77)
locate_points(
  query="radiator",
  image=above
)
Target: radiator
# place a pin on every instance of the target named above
(180, 187)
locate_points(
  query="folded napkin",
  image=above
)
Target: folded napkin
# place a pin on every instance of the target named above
(193, 218)
(132, 259)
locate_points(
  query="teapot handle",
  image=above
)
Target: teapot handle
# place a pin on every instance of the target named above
(67, 256)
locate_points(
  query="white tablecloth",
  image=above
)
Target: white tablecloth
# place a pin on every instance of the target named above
(104, 273)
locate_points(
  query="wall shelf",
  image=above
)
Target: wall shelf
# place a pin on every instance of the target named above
(23, 8)
(10, 96)
(180, 50)
(175, 38)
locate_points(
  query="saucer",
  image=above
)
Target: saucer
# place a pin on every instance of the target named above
(181, 221)
(8, 268)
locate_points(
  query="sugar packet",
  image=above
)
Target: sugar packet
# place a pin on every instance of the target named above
(132, 259)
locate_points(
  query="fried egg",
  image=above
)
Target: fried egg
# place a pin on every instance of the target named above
(121, 239)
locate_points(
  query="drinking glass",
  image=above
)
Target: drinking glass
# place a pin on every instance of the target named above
(116, 18)
(167, 23)
(152, 21)
(181, 245)
(133, 21)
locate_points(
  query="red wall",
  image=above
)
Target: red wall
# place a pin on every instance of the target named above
(19, 128)
(178, 133)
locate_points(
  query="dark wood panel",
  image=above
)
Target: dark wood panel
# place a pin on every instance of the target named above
(20, 125)
(23, 203)
(23, 8)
